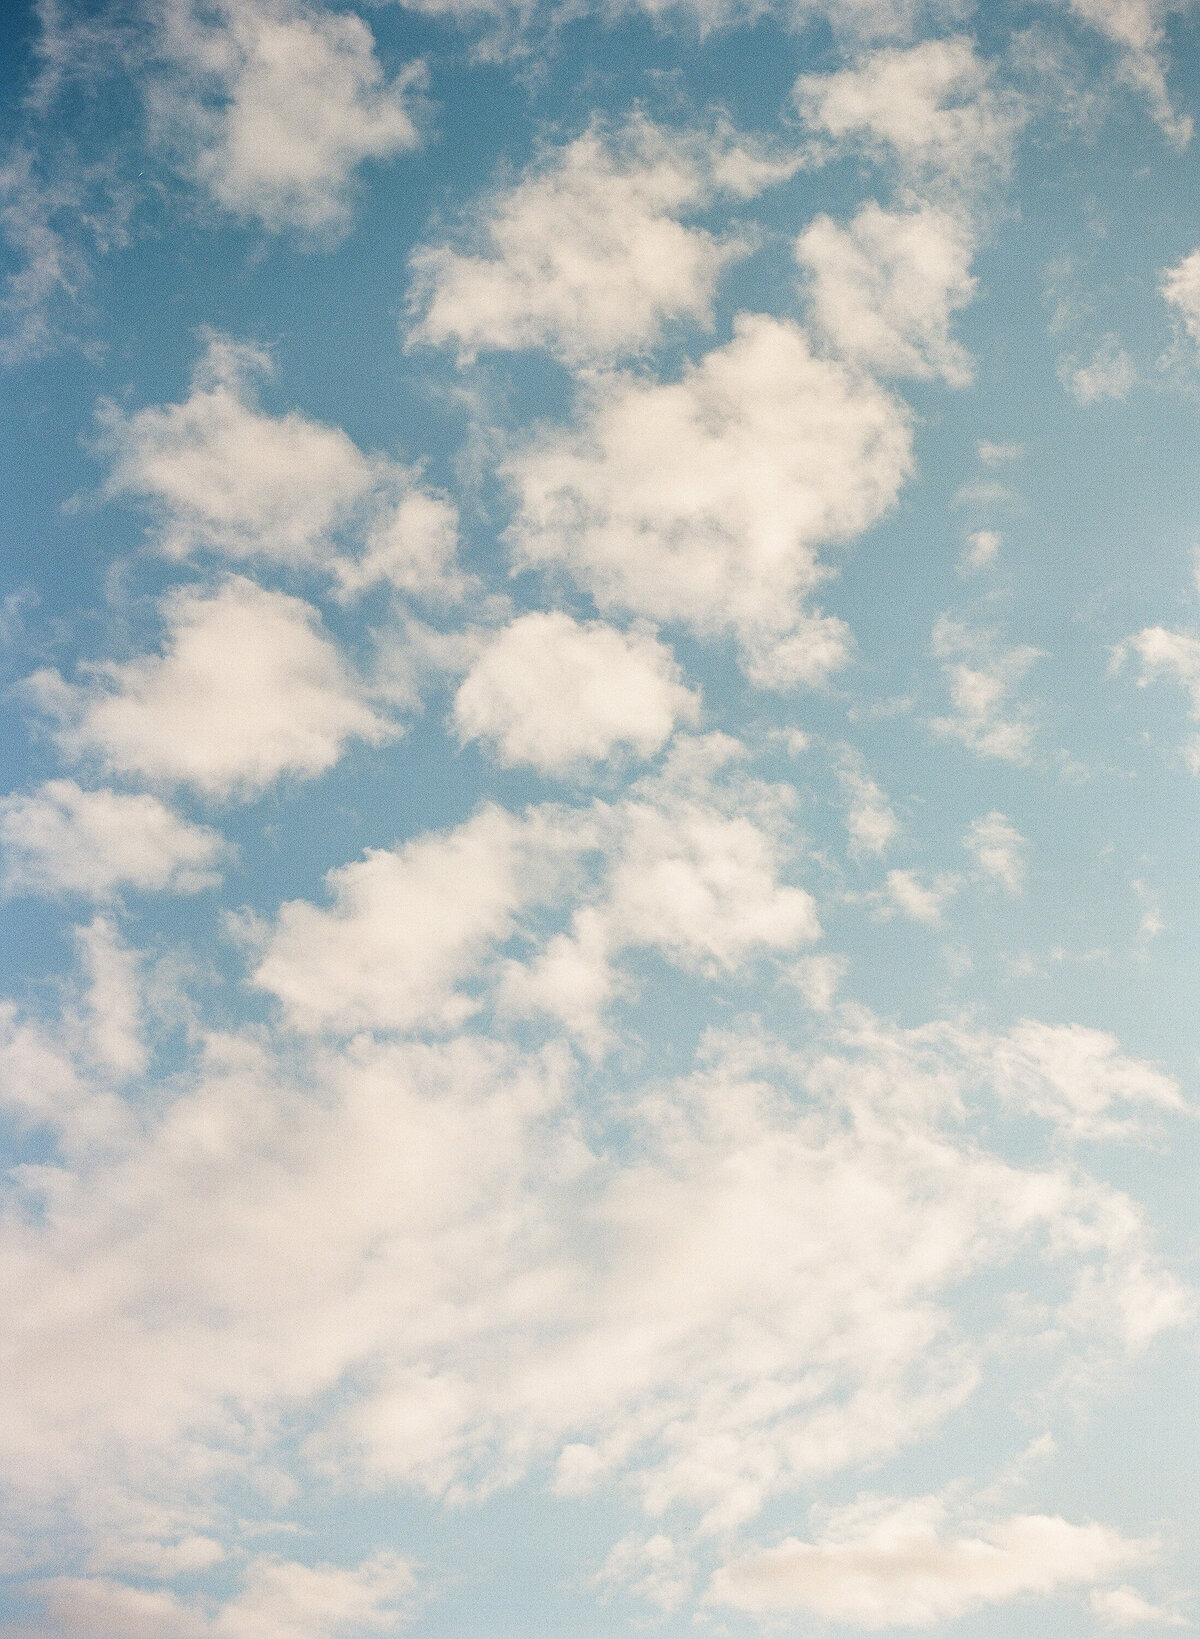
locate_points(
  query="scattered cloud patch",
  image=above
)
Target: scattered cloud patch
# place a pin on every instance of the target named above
(1108, 375)
(63, 839)
(246, 689)
(272, 106)
(998, 849)
(558, 694)
(883, 1563)
(705, 500)
(985, 717)
(885, 288)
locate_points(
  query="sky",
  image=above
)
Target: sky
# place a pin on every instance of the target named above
(600, 626)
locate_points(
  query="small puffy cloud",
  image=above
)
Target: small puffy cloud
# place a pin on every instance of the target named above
(407, 926)
(994, 454)
(984, 717)
(63, 839)
(981, 549)
(932, 106)
(884, 1563)
(1138, 30)
(906, 894)
(1164, 653)
(870, 820)
(279, 1599)
(247, 688)
(705, 500)
(998, 849)
(272, 106)
(1079, 1079)
(1125, 1607)
(1109, 374)
(221, 475)
(654, 1568)
(557, 694)
(885, 288)
(586, 255)
(1180, 288)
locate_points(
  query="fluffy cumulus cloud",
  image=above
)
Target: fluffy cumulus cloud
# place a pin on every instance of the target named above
(273, 105)
(1137, 28)
(705, 500)
(884, 288)
(986, 716)
(63, 839)
(587, 255)
(934, 108)
(998, 849)
(683, 866)
(749, 1284)
(221, 475)
(1181, 289)
(557, 694)
(246, 689)
(279, 1599)
(1175, 655)
(884, 1563)
(870, 820)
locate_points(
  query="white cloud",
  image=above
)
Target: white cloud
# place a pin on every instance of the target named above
(885, 1563)
(1138, 29)
(999, 849)
(247, 689)
(1164, 653)
(981, 549)
(221, 475)
(272, 106)
(705, 500)
(684, 868)
(933, 106)
(415, 1254)
(919, 901)
(1078, 1078)
(870, 820)
(62, 839)
(984, 717)
(653, 1568)
(279, 1599)
(1108, 375)
(884, 289)
(586, 255)
(408, 925)
(557, 694)
(1180, 287)
(1124, 1607)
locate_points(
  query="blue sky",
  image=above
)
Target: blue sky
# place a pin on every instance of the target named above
(601, 648)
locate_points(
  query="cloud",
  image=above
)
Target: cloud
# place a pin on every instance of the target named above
(412, 939)
(50, 266)
(887, 1563)
(557, 694)
(586, 255)
(1109, 375)
(883, 290)
(222, 476)
(63, 839)
(1164, 653)
(653, 1568)
(932, 107)
(1124, 1607)
(408, 925)
(1180, 287)
(985, 718)
(1077, 1077)
(919, 901)
(279, 1599)
(247, 689)
(272, 105)
(981, 549)
(998, 848)
(418, 1255)
(705, 500)
(870, 821)
(1138, 29)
